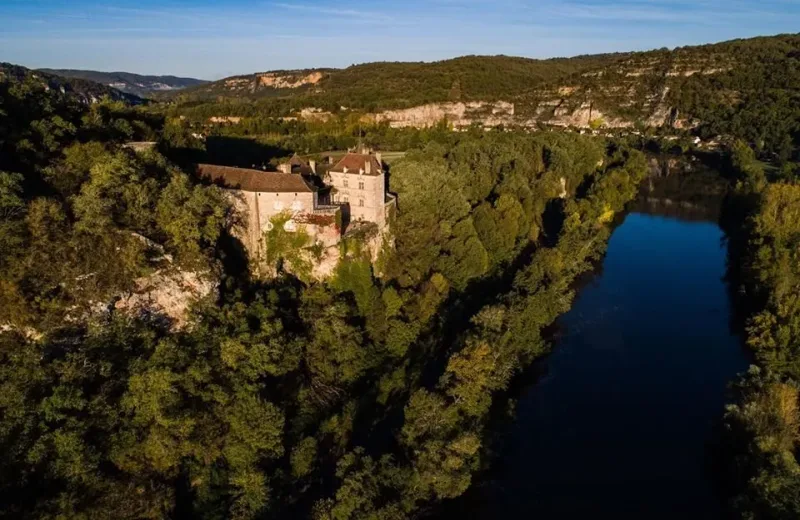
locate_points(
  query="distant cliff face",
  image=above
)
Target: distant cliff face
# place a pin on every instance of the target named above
(260, 84)
(457, 114)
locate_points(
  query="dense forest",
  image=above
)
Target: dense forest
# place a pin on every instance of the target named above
(362, 396)
(763, 425)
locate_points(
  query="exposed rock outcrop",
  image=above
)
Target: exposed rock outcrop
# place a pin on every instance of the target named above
(458, 114)
(278, 80)
(315, 114)
(169, 294)
(583, 116)
(269, 80)
(225, 119)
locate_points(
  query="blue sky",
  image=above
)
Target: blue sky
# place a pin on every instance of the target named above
(211, 39)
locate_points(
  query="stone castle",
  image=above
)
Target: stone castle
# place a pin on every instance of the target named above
(328, 201)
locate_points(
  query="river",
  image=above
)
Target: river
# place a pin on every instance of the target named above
(618, 425)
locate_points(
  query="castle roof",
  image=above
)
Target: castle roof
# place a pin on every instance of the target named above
(253, 180)
(300, 165)
(355, 162)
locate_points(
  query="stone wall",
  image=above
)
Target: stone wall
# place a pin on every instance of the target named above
(255, 210)
(365, 195)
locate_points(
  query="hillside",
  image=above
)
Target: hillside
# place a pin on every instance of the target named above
(83, 90)
(139, 85)
(140, 358)
(714, 88)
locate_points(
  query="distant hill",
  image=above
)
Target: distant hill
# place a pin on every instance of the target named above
(83, 90)
(142, 86)
(748, 88)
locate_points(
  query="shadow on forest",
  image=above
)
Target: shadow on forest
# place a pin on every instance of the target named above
(376, 429)
(241, 151)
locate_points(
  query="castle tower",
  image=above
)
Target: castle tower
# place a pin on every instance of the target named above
(360, 183)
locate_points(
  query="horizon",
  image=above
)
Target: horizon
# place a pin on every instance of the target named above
(210, 41)
(547, 58)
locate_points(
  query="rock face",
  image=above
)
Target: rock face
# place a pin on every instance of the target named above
(225, 119)
(169, 294)
(315, 114)
(272, 80)
(584, 116)
(277, 80)
(554, 112)
(458, 114)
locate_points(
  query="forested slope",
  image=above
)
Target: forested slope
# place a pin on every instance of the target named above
(81, 89)
(136, 84)
(363, 396)
(745, 88)
(763, 425)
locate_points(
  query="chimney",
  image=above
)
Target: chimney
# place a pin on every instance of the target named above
(285, 168)
(380, 160)
(330, 159)
(313, 165)
(345, 169)
(368, 166)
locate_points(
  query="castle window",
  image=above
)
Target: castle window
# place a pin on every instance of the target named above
(346, 199)
(361, 202)
(345, 183)
(361, 185)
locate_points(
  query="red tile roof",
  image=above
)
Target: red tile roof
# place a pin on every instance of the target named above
(253, 180)
(357, 161)
(300, 165)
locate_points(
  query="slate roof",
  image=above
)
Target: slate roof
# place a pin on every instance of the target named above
(357, 161)
(253, 180)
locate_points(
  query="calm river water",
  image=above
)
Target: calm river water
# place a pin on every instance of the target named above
(619, 425)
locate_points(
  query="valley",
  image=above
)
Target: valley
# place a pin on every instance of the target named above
(401, 290)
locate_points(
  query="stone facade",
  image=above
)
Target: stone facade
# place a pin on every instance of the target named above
(354, 192)
(359, 186)
(259, 196)
(257, 209)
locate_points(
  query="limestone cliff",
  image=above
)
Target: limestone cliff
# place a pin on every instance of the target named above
(458, 114)
(168, 294)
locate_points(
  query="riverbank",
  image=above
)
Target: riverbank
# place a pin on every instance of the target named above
(620, 420)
